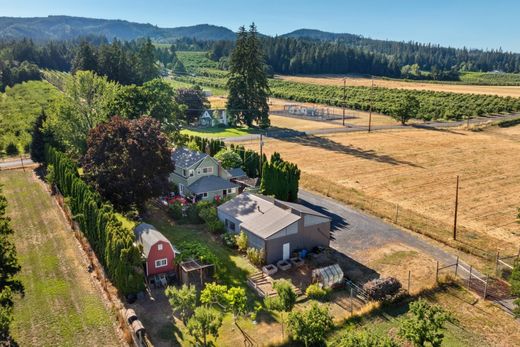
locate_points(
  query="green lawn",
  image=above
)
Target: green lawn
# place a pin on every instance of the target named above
(61, 307)
(219, 132)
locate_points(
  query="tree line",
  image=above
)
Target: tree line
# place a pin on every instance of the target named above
(10, 285)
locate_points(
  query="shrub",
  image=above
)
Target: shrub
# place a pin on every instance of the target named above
(229, 240)
(256, 256)
(12, 149)
(241, 241)
(175, 210)
(192, 214)
(314, 291)
(382, 288)
(215, 226)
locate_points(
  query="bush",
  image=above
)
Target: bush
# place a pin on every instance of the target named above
(215, 226)
(241, 241)
(174, 188)
(256, 256)
(382, 288)
(229, 240)
(314, 291)
(192, 214)
(175, 210)
(12, 149)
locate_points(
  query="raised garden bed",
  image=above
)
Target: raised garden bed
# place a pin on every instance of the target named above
(297, 261)
(283, 265)
(270, 269)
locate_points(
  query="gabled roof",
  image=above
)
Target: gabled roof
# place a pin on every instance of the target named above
(209, 184)
(147, 235)
(237, 172)
(185, 158)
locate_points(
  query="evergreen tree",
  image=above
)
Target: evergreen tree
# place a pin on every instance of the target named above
(146, 68)
(38, 139)
(247, 83)
(85, 58)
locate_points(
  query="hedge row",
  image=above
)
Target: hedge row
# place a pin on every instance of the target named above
(113, 243)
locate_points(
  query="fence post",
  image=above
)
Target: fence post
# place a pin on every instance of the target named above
(351, 300)
(496, 263)
(396, 212)
(409, 277)
(486, 287)
(469, 278)
(437, 273)
(457, 266)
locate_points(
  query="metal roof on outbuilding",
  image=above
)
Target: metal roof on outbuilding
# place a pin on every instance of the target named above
(237, 172)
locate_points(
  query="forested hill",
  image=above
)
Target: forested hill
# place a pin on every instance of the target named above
(66, 28)
(314, 34)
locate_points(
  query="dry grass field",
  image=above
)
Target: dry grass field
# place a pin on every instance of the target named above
(334, 80)
(61, 306)
(408, 177)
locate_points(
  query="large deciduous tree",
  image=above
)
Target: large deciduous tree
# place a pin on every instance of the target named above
(205, 321)
(406, 109)
(247, 83)
(229, 158)
(128, 161)
(183, 300)
(84, 105)
(195, 101)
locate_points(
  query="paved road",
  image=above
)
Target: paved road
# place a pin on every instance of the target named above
(350, 128)
(354, 232)
(11, 164)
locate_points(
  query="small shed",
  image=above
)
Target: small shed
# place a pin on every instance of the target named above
(194, 272)
(328, 276)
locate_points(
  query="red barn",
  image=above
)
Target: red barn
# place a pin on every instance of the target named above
(158, 252)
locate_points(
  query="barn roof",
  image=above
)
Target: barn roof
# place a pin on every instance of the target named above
(147, 235)
(184, 157)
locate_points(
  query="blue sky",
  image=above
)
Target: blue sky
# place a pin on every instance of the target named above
(457, 23)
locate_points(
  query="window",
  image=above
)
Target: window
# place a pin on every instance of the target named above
(184, 173)
(207, 170)
(191, 173)
(230, 225)
(159, 247)
(205, 195)
(161, 262)
(230, 190)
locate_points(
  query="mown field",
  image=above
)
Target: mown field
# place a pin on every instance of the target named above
(61, 306)
(469, 88)
(409, 177)
(19, 108)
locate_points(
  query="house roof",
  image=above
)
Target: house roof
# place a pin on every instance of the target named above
(209, 184)
(147, 235)
(185, 158)
(237, 172)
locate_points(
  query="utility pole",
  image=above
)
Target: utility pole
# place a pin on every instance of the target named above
(344, 98)
(456, 209)
(261, 155)
(370, 114)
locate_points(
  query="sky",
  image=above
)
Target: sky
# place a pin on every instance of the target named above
(488, 24)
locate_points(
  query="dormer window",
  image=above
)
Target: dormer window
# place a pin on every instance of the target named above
(207, 170)
(160, 247)
(184, 172)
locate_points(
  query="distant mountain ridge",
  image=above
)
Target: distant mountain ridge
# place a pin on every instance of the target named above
(67, 27)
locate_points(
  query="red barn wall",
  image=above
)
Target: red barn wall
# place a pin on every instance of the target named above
(155, 254)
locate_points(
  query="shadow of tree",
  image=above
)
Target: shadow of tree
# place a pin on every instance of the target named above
(333, 146)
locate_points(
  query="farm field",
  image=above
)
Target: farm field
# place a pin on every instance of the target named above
(334, 80)
(61, 306)
(409, 177)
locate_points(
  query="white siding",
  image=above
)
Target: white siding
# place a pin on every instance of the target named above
(309, 220)
(290, 230)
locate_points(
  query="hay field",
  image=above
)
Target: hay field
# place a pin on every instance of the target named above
(409, 176)
(334, 80)
(61, 306)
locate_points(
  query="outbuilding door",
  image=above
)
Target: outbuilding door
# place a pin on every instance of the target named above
(286, 250)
